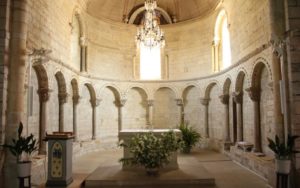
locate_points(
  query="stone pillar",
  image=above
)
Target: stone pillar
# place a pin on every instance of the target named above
(62, 99)
(238, 98)
(180, 111)
(16, 81)
(44, 97)
(205, 102)
(225, 100)
(94, 104)
(121, 105)
(83, 54)
(150, 113)
(75, 103)
(254, 94)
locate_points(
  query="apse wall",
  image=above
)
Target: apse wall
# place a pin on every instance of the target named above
(121, 102)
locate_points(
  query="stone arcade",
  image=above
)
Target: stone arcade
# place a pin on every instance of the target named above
(229, 67)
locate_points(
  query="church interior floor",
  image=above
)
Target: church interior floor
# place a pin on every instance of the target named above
(227, 173)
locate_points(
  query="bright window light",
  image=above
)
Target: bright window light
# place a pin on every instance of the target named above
(226, 51)
(150, 65)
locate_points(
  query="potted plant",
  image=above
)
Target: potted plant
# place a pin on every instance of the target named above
(283, 153)
(189, 137)
(150, 151)
(22, 148)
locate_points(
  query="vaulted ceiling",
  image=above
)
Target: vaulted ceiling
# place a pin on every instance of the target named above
(117, 10)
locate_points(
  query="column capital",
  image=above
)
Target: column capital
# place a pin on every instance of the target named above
(254, 93)
(204, 101)
(237, 97)
(121, 102)
(62, 98)
(224, 99)
(83, 41)
(95, 102)
(179, 102)
(278, 45)
(43, 94)
(76, 99)
(150, 102)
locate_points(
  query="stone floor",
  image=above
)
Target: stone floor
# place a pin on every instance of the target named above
(227, 173)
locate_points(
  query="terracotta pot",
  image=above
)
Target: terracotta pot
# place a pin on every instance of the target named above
(24, 168)
(283, 166)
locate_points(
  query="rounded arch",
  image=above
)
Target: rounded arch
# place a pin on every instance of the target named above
(208, 89)
(144, 90)
(142, 9)
(91, 91)
(189, 86)
(174, 90)
(116, 90)
(82, 26)
(226, 86)
(61, 82)
(42, 76)
(240, 81)
(256, 72)
(218, 25)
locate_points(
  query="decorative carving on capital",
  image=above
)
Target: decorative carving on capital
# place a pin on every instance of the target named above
(254, 93)
(215, 42)
(95, 102)
(123, 102)
(204, 101)
(150, 102)
(278, 45)
(179, 102)
(224, 99)
(62, 98)
(43, 94)
(237, 97)
(83, 41)
(76, 99)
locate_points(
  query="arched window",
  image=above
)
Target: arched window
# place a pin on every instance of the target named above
(150, 63)
(221, 49)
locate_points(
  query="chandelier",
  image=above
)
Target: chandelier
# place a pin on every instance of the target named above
(149, 34)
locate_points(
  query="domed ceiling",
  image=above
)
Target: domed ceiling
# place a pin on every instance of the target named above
(122, 10)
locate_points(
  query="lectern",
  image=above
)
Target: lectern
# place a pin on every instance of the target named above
(60, 148)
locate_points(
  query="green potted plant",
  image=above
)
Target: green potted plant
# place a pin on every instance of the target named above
(22, 148)
(150, 151)
(189, 137)
(283, 153)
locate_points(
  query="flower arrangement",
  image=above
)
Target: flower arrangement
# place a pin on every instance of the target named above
(189, 137)
(150, 151)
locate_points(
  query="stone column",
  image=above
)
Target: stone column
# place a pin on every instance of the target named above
(238, 98)
(180, 110)
(75, 103)
(121, 105)
(16, 81)
(254, 94)
(83, 54)
(205, 102)
(94, 104)
(62, 99)
(150, 113)
(44, 97)
(225, 100)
